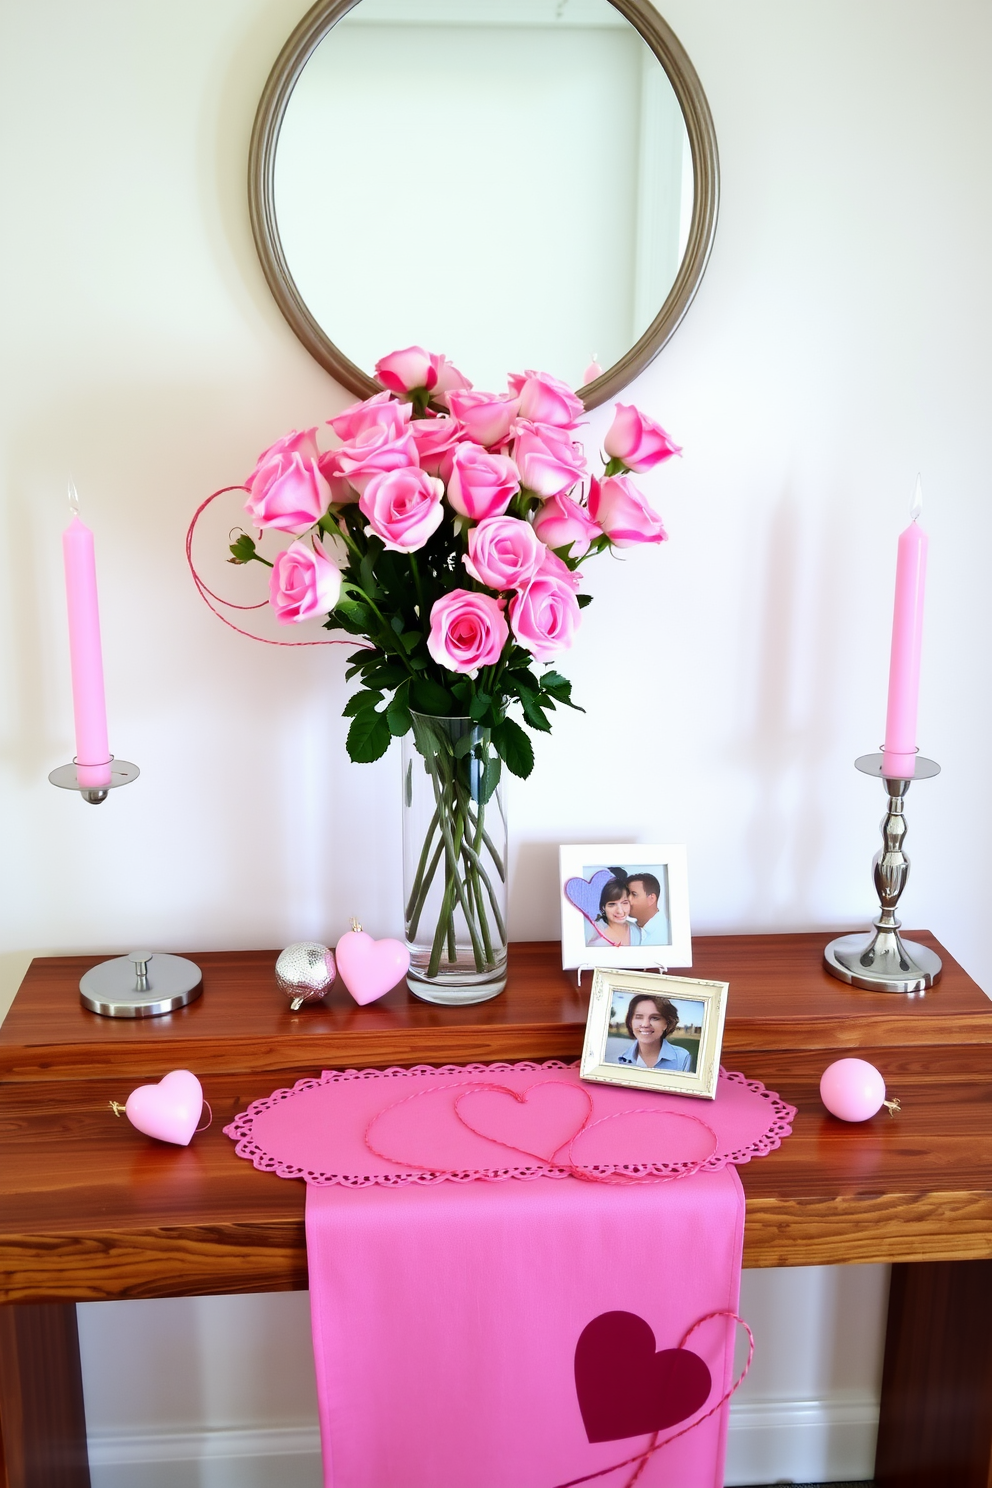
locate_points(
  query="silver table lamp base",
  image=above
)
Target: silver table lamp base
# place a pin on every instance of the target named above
(141, 985)
(882, 961)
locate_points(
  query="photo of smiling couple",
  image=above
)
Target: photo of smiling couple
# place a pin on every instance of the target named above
(633, 909)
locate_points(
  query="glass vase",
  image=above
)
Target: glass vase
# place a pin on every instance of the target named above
(454, 861)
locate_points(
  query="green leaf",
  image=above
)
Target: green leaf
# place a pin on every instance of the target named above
(582, 600)
(243, 550)
(533, 714)
(428, 696)
(387, 675)
(556, 683)
(461, 692)
(410, 639)
(360, 700)
(463, 746)
(398, 718)
(365, 569)
(353, 613)
(490, 779)
(514, 747)
(368, 737)
(478, 706)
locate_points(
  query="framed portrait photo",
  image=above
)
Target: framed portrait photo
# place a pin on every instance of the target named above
(624, 904)
(655, 1032)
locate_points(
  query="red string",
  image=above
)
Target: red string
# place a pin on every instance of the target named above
(569, 1165)
(641, 1458)
(207, 595)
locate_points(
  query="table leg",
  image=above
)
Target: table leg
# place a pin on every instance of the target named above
(42, 1425)
(935, 1423)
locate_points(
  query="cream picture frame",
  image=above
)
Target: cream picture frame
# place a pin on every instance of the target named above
(617, 994)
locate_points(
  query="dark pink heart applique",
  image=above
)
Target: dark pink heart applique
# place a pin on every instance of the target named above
(625, 1387)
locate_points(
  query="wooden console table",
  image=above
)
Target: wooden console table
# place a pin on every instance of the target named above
(90, 1210)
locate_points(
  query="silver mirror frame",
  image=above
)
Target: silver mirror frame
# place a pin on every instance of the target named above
(291, 61)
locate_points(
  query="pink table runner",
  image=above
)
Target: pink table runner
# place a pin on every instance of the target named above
(447, 1317)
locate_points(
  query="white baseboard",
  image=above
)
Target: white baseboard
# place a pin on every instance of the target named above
(802, 1441)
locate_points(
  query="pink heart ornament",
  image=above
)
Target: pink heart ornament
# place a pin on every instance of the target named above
(370, 968)
(170, 1110)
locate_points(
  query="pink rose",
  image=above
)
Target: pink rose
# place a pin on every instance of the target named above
(303, 583)
(504, 553)
(342, 492)
(485, 417)
(286, 489)
(468, 631)
(403, 508)
(554, 568)
(543, 617)
(622, 512)
(449, 380)
(549, 461)
(561, 521)
(480, 484)
(434, 438)
(383, 411)
(373, 451)
(402, 371)
(545, 399)
(637, 440)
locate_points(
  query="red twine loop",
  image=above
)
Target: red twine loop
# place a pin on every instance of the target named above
(569, 1165)
(211, 600)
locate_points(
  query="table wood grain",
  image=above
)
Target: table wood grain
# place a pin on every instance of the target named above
(90, 1209)
(781, 1003)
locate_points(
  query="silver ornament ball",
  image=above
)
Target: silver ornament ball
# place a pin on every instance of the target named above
(305, 971)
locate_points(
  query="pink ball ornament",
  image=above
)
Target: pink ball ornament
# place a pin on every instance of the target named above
(852, 1089)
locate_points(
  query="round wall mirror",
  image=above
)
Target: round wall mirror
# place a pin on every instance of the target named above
(515, 183)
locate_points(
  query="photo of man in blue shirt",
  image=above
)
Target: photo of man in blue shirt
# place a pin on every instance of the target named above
(644, 892)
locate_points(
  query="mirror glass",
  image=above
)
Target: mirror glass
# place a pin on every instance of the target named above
(506, 181)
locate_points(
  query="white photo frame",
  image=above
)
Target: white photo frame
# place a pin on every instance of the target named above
(619, 1009)
(662, 938)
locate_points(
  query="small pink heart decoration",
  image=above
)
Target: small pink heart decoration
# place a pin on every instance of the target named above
(169, 1110)
(370, 968)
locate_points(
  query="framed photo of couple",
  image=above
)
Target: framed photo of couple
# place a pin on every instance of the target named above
(624, 904)
(654, 1032)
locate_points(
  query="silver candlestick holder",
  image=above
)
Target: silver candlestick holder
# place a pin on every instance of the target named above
(66, 777)
(882, 961)
(144, 984)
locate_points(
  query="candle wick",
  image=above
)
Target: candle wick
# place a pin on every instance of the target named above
(73, 499)
(917, 506)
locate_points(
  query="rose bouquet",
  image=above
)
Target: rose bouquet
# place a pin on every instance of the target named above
(448, 529)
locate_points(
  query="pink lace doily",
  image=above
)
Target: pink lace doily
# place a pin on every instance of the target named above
(399, 1126)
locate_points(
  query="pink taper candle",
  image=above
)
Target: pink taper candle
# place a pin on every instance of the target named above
(907, 633)
(89, 705)
(593, 371)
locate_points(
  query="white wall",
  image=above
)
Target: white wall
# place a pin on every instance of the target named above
(838, 345)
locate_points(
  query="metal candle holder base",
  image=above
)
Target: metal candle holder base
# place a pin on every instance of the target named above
(122, 772)
(882, 961)
(141, 985)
